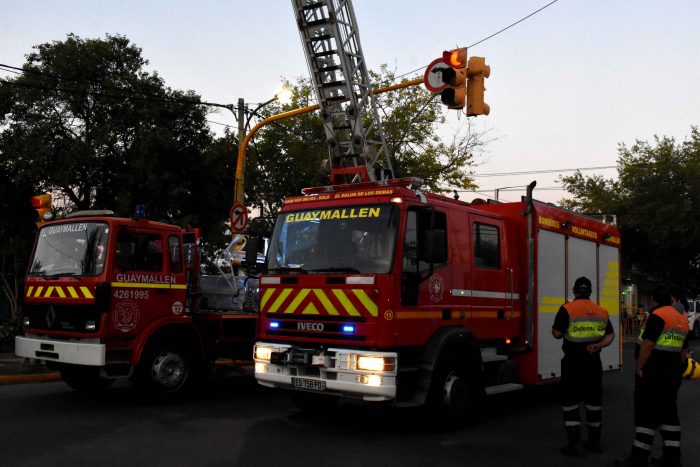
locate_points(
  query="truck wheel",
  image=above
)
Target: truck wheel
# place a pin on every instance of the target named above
(165, 370)
(456, 389)
(83, 378)
(313, 404)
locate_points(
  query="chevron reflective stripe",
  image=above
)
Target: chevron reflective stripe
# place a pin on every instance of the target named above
(331, 302)
(60, 292)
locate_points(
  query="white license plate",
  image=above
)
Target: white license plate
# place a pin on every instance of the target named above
(310, 384)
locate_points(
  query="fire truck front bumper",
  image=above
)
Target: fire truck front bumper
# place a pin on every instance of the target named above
(351, 373)
(77, 351)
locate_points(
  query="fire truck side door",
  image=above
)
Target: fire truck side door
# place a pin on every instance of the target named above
(424, 280)
(492, 281)
(143, 287)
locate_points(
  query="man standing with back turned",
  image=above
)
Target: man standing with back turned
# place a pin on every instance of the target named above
(586, 329)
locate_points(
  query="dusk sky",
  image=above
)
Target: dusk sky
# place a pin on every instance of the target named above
(567, 85)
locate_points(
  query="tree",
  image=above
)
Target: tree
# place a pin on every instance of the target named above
(17, 233)
(86, 122)
(656, 198)
(286, 155)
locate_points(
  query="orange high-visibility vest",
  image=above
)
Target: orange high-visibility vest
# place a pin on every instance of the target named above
(675, 329)
(587, 321)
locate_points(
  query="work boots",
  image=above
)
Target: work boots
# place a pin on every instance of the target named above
(632, 461)
(664, 462)
(592, 444)
(573, 448)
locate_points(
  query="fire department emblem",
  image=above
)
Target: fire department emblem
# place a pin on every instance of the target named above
(437, 287)
(178, 308)
(126, 315)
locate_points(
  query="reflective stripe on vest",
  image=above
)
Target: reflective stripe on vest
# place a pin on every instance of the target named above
(587, 321)
(675, 329)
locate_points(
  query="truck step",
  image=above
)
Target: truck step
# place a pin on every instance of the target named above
(501, 388)
(488, 354)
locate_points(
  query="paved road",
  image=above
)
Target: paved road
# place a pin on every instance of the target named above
(237, 422)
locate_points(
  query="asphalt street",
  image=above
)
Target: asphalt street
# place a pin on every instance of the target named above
(236, 422)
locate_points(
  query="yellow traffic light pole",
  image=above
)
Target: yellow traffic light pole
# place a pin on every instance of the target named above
(243, 145)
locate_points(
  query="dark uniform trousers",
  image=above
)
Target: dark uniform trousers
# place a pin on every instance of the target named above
(581, 381)
(655, 406)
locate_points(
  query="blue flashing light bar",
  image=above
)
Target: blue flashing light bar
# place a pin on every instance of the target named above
(348, 328)
(274, 324)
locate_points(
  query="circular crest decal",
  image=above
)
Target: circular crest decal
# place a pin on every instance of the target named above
(437, 287)
(177, 308)
(126, 315)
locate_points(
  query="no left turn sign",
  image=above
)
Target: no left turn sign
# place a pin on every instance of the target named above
(239, 218)
(433, 75)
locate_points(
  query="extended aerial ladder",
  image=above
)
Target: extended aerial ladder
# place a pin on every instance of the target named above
(353, 129)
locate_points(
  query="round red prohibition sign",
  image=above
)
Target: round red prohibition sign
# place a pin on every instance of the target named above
(239, 218)
(433, 75)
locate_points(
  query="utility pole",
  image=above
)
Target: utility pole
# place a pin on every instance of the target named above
(241, 120)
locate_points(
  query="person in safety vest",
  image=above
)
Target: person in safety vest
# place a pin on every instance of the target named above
(664, 347)
(586, 329)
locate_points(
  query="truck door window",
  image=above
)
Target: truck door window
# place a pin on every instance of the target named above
(417, 223)
(487, 250)
(139, 251)
(175, 256)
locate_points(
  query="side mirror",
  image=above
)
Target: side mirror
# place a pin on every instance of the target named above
(433, 249)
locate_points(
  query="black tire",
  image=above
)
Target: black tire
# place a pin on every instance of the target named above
(85, 379)
(314, 404)
(166, 370)
(456, 391)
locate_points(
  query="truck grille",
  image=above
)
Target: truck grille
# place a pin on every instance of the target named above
(51, 317)
(325, 327)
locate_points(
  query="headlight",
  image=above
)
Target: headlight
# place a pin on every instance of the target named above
(370, 363)
(25, 322)
(263, 353)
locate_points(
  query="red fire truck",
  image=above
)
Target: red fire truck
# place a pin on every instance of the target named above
(379, 291)
(109, 297)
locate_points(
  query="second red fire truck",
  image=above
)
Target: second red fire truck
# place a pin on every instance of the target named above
(108, 297)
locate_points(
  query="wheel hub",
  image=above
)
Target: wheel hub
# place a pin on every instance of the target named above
(454, 392)
(169, 370)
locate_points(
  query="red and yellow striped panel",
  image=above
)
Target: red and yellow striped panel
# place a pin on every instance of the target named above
(60, 291)
(330, 302)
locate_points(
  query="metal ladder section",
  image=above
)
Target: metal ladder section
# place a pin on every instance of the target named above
(353, 129)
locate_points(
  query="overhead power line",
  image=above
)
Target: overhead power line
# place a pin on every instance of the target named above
(547, 171)
(487, 37)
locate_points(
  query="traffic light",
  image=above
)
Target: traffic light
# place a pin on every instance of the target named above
(477, 71)
(42, 205)
(455, 77)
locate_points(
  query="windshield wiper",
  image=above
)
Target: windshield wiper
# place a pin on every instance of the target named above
(337, 270)
(287, 269)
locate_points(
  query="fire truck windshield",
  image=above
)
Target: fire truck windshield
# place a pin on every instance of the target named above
(350, 239)
(71, 249)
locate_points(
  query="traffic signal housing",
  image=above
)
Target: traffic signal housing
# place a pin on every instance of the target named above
(455, 77)
(42, 206)
(477, 72)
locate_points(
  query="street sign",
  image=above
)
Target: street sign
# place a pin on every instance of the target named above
(239, 218)
(433, 75)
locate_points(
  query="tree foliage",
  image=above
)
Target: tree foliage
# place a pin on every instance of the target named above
(656, 198)
(87, 122)
(286, 155)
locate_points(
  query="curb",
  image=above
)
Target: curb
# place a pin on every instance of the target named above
(36, 378)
